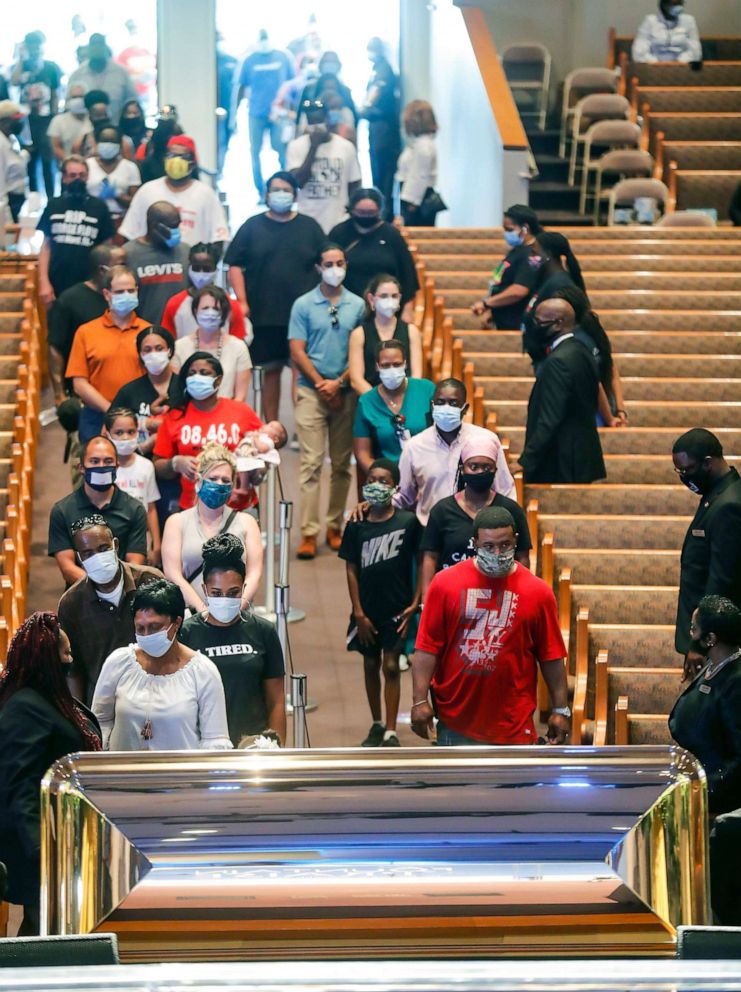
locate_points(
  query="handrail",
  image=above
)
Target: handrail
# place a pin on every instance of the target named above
(495, 82)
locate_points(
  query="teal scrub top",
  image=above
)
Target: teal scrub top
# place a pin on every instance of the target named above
(373, 418)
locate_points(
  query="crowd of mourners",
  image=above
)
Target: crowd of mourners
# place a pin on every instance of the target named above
(157, 315)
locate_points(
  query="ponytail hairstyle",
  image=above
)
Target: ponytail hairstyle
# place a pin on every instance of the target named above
(33, 663)
(558, 246)
(589, 322)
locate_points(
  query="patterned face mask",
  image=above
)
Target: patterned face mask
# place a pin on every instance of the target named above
(495, 564)
(377, 493)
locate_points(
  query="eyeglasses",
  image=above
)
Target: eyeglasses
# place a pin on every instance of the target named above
(334, 316)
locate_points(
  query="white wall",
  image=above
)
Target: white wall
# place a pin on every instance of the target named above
(186, 64)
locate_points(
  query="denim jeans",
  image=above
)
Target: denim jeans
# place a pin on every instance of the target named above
(451, 738)
(258, 126)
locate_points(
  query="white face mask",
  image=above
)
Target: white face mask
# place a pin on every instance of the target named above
(224, 608)
(76, 105)
(201, 279)
(446, 417)
(156, 362)
(126, 446)
(386, 306)
(155, 645)
(101, 568)
(392, 378)
(334, 275)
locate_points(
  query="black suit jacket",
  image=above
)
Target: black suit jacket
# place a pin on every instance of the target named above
(711, 554)
(561, 439)
(706, 721)
(33, 735)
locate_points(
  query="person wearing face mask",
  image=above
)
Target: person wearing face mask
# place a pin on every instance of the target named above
(135, 474)
(516, 276)
(559, 269)
(200, 416)
(706, 718)
(271, 263)
(98, 494)
(133, 126)
(178, 315)
(202, 216)
(40, 722)
(711, 554)
(448, 536)
(372, 245)
(211, 516)
(245, 648)
(381, 110)
(159, 260)
(103, 356)
(669, 36)
(38, 82)
(430, 462)
(96, 611)
(561, 440)
(210, 308)
(380, 555)
(318, 334)
(381, 322)
(111, 177)
(100, 72)
(391, 413)
(72, 223)
(487, 626)
(157, 694)
(326, 168)
(329, 69)
(68, 129)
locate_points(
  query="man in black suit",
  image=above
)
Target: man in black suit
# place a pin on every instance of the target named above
(561, 439)
(711, 553)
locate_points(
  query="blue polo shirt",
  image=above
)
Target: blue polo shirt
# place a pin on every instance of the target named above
(326, 344)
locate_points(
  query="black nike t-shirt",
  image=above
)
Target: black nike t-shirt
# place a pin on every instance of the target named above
(449, 531)
(246, 653)
(385, 555)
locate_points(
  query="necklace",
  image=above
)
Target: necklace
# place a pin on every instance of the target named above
(386, 396)
(218, 347)
(711, 670)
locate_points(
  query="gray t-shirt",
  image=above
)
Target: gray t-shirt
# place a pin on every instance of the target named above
(69, 129)
(160, 272)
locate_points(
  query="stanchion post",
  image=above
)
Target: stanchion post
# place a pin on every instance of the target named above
(281, 616)
(285, 522)
(257, 374)
(298, 702)
(267, 502)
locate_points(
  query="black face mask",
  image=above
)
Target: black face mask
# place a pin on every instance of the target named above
(133, 127)
(535, 338)
(76, 188)
(478, 482)
(366, 222)
(698, 483)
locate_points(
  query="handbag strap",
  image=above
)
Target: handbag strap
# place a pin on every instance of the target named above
(224, 528)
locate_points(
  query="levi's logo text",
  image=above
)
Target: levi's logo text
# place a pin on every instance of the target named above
(382, 548)
(485, 628)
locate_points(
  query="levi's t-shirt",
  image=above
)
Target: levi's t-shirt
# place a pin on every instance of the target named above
(187, 434)
(489, 635)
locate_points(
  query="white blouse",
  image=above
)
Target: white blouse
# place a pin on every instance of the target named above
(416, 169)
(186, 710)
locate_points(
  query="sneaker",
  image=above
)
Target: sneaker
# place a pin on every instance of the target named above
(307, 548)
(293, 443)
(391, 740)
(375, 736)
(403, 663)
(334, 538)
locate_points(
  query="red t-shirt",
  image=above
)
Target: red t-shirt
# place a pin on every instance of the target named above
(178, 312)
(188, 434)
(489, 635)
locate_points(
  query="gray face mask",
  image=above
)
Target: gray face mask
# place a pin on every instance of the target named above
(496, 565)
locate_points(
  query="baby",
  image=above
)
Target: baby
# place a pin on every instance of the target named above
(257, 450)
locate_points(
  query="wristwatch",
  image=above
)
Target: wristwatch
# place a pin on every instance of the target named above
(562, 710)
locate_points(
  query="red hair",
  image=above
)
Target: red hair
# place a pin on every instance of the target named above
(33, 663)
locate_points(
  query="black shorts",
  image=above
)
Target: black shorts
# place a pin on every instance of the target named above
(270, 346)
(387, 638)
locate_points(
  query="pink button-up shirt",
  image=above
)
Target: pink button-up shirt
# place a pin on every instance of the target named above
(429, 466)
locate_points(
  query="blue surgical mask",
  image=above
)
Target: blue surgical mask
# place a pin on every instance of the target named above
(200, 387)
(214, 494)
(209, 319)
(155, 645)
(175, 237)
(201, 279)
(446, 417)
(513, 239)
(123, 303)
(280, 201)
(334, 117)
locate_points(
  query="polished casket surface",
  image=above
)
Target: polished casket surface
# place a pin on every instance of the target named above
(359, 852)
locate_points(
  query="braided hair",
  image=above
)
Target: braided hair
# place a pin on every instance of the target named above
(223, 553)
(33, 663)
(590, 323)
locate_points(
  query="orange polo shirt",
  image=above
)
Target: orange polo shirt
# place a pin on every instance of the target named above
(105, 355)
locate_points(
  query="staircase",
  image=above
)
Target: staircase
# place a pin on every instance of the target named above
(554, 201)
